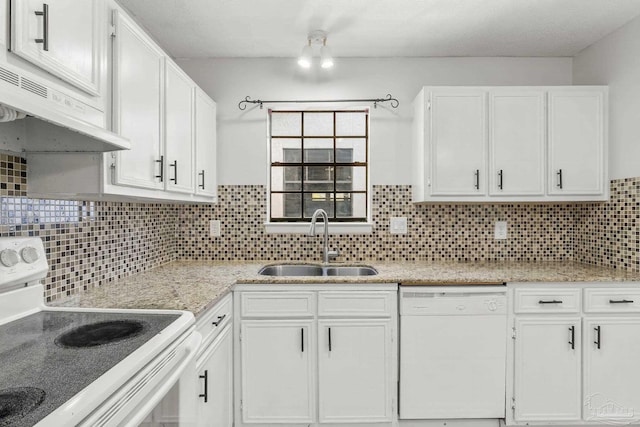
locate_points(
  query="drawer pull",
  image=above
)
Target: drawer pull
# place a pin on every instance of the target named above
(205, 377)
(302, 339)
(572, 340)
(329, 339)
(620, 301)
(553, 301)
(220, 319)
(597, 341)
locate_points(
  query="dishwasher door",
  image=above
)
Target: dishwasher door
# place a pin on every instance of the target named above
(452, 352)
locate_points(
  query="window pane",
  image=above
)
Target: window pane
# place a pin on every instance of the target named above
(356, 147)
(286, 124)
(286, 178)
(286, 150)
(286, 206)
(318, 124)
(351, 205)
(351, 124)
(313, 201)
(351, 178)
(318, 178)
(318, 150)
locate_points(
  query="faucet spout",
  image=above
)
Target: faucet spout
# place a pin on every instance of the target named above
(326, 253)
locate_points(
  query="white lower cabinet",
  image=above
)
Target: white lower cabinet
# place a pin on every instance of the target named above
(215, 371)
(310, 356)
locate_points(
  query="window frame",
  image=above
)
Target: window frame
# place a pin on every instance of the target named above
(344, 224)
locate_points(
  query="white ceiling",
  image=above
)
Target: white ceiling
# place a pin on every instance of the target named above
(381, 28)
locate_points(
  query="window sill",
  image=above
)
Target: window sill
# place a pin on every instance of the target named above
(303, 228)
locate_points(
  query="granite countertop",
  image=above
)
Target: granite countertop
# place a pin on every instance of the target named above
(197, 285)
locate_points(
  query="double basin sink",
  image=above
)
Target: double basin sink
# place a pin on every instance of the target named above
(311, 270)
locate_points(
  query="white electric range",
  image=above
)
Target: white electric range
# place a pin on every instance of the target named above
(86, 367)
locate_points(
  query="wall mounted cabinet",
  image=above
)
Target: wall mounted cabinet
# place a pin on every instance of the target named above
(510, 144)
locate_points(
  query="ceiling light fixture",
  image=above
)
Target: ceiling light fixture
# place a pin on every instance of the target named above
(316, 38)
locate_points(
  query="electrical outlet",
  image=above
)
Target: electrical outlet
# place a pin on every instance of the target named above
(214, 228)
(398, 225)
(500, 231)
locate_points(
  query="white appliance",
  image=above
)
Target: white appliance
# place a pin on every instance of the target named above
(85, 367)
(452, 352)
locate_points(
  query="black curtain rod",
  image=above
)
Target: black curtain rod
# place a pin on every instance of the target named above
(247, 100)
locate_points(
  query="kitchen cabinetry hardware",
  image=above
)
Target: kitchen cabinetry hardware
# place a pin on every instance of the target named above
(202, 175)
(174, 165)
(477, 175)
(329, 339)
(620, 301)
(45, 26)
(161, 176)
(302, 339)
(205, 377)
(242, 105)
(220, 319)
(500, 178)
(597, 341)
(572, 340)
(559, 174)
(553, 301)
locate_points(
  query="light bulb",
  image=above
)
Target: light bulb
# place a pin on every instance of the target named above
(326, 60)
(305, 57)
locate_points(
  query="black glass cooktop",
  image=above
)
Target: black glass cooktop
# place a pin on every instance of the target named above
(48, 357)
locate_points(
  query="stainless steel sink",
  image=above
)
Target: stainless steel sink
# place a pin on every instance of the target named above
(316, 270)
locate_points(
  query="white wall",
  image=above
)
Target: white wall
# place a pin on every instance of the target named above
(615, 61)
(242, 139)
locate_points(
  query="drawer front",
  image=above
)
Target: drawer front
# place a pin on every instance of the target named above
(277, 304)
(356, 303)
(547, 301)
(617, 300)
(215, 319)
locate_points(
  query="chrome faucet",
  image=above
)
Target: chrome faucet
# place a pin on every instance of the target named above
(326, 253)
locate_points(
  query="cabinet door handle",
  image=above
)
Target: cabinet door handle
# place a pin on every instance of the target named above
(559, 174)
(597, 341)
(500, 178)
(302, 339)
(161, 161)
(202, 175)
(220, 319)
(477, 175)
(553, 301)
(572, 339)
(45, 26)
(205, 377)
(329, 339)
(174, 165)
(620, 301)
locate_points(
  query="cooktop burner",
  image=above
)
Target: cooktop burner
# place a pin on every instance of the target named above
(16, 402)
(100, 333)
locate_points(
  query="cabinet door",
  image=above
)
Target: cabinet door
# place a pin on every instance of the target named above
(576, 142)
(217, 389)
(612, 352)
(137, 105)
(178, 130)
(547, 369)
(354, 363)
(278, 371)
(62, 37)
(516, 143)
(205, 128)
(458, 142)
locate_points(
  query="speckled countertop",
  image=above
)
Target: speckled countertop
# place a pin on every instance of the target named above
(198, 285)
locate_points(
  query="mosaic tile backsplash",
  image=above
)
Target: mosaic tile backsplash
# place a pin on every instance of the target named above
(92, 243)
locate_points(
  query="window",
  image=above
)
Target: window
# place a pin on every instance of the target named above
(319, 160)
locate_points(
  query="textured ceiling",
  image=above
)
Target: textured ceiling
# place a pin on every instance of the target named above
(381, 28)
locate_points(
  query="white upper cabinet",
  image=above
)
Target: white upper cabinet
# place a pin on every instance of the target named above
(510, 144)
(458, 142)
(62, 37)
(137, 105)
(205, 129)
(179, 143)
(516, 142)
(576, 142)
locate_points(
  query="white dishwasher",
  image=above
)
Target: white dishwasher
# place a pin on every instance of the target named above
(452, 352)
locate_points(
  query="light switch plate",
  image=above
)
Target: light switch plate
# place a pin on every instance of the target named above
(214, 228)
(500, 231)
(398, 225)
